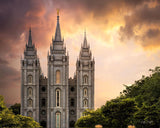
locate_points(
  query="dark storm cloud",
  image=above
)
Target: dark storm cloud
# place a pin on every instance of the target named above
(152, 33)
(8, 74)
(14, 20)
(16, 16)
(145, 17)
(99, 7)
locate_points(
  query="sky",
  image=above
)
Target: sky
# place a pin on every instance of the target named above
(124, 36)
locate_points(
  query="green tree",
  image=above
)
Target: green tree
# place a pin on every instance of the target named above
(9, 119)
(119, 112)
(15, 108)
(91, 118)
(114, 114)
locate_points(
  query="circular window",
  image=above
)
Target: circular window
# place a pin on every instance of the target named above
(72, 112)
(72, 89)
(43, 89)
(43, 112)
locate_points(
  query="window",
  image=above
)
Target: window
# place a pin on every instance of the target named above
(30, 79)
(43, 102)
(85, 103)
(71, 124)
(58, 77)
(57, 98)
(72, 89)
(85, 79)
(43, 124)
(30, 103)
(43, 89)
(30, 92)
(30, 114)
(58, 119)
(85, 92)
(72, 102)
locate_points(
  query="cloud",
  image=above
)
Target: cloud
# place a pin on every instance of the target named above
(103, 19)
(143, 26)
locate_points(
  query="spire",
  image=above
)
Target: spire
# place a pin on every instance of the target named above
(58, 30)
(85, 40)
(30, 38)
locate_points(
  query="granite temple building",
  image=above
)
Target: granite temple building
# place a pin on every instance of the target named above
(57, 101)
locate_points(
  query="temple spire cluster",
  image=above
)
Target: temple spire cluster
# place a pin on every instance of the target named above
(56, 101)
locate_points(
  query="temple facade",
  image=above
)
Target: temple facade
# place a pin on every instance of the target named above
(57, 101)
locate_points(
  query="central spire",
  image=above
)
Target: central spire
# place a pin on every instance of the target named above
(85, 40)
(58, 30)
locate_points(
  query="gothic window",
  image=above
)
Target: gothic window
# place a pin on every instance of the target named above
(72, 102)
(43, 124)
(85, 79)
(71, 124)
(85, 103)
(43, 102)
(30, 103)
(57, 98)
(58, 77)
(58, 119)
(43, 89)
(85, 92)
(30, 113)
(30, 79)
(30, 92)
(72, 89)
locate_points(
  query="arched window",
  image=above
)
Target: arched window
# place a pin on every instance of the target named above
(71, 123)
(58, 119)
(30, 79)
(43, 102)
(30, 92)
(30, 103)
(85, 103)
(43, 89)
(43, 124)
(85, 79)
(57, 98)
(72, 102)
(58, 77)
(85, 92)
(30, 113)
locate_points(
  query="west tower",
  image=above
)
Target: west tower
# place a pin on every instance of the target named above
(30, 72)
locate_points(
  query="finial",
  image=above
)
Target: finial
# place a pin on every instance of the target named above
(57, 11)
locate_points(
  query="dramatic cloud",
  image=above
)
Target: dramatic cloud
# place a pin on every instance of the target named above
(106, 21)
(143, 26)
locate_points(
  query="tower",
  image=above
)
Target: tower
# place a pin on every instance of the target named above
(30, 72)
(85, 79)
(57, 101)
(58, 74)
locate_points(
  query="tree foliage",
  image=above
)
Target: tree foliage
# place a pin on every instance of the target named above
(138, 104)
(115, 113)
(9, 119)
(15, 108)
